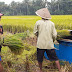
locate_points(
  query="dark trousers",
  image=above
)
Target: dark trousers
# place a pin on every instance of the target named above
(0, 48)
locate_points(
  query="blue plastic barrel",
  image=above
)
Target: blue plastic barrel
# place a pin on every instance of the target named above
(65, 51)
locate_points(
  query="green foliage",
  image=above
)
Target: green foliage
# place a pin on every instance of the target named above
(61, 7)
(28, 7)
(15, 44)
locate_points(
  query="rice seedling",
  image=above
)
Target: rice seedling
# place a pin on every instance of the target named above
(15, 44)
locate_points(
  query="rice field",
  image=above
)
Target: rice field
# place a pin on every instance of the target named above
(21, 24)
(17, 24)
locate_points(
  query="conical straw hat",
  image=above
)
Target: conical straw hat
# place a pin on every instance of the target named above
(1, 14)
(43, 13)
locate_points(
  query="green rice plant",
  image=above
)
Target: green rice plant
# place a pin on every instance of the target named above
(17, 24)
(62, 33)
(21, 36)
(62, 21)
(15, 44)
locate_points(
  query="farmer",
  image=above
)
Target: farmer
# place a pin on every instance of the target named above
(1, 32)
(46, 34)
(1, 29)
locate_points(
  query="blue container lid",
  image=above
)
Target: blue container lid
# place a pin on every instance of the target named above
(65, 40)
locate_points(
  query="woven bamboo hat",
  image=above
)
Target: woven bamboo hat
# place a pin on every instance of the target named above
(1, 14)
(43, 13)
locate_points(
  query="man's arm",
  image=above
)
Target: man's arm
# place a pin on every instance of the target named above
(1, 29)
(36, 29)
(54, 33)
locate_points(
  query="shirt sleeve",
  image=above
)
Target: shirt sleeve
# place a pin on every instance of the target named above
(54, 33)
(36, 29)
(2, 30)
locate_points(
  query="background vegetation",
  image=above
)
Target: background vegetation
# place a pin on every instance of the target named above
(28, 7)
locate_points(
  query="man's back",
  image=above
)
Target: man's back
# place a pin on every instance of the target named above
(46, 33)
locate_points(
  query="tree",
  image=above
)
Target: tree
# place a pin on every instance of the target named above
(61, 7)
(28, 7)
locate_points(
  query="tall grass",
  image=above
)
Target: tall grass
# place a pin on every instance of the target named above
(62, 21)
(17, 24)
